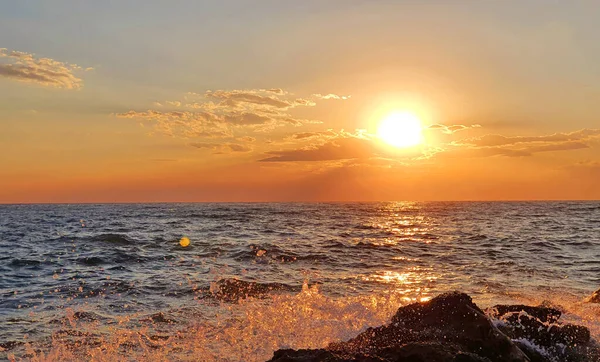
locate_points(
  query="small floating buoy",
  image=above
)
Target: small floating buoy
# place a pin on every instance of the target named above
(184, 242)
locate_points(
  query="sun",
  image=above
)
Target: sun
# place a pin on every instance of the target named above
(401, 129)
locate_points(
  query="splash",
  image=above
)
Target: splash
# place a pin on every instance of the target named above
(250, 331)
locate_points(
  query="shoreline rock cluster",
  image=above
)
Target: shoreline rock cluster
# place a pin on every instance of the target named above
(451, 328)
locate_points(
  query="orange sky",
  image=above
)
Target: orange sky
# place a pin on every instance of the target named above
(282, 103)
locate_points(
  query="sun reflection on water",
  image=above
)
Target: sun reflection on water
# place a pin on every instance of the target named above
(415, 284)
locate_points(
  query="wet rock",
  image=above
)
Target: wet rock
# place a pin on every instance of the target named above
(544, 314)
(411, 352)
(595, 297)
(451, 328)
(541, 335)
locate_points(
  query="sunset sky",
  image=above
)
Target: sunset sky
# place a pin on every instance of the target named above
(147, 101)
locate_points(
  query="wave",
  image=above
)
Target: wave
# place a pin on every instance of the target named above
(234, 290)
(115, 239)
(18, 263)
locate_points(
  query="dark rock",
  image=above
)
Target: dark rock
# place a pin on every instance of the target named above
(540, 327)
(544, 314)
(534, 354)
(306, 355)
(448, 328)
(451, 328)
(411, 352)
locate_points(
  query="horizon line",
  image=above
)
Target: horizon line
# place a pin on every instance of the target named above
(292, 202)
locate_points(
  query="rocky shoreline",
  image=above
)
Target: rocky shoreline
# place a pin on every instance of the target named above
(451, 328)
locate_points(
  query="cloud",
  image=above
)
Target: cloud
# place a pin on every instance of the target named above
(312, 135)
(330, 96)
(345, 146)
(304, 102)
(246, 139)
(25, 67)
(247, 119)
(499, 140)
(452, 128)
(221, 112)
(210, 134)
(560, 146)
(516, 146)
(221, 148)
(239, 96)
(522, 151)
(182, 123)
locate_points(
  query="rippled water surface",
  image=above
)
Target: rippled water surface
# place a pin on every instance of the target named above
(112, 282)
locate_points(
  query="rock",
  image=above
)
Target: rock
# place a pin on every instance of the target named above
(305, 355)
(544, 314)
(540, 328)
(451, 328)
(411, 352)
(595, 297)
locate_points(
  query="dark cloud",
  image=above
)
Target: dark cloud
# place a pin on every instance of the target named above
(340, 148)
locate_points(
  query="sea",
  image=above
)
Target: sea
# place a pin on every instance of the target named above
(112, 282)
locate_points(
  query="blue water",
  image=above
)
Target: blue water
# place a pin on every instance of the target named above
(86, 281)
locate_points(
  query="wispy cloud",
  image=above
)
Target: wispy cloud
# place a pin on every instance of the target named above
(517, 146)
(25, 67)
(499, 140)
(452, 128)
(330, 96)
(312, 135)
(222, 112)
(221, 148)
(235, 97)
(331, 146)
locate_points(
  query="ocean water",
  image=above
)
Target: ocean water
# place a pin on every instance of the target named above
(111, 282)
